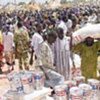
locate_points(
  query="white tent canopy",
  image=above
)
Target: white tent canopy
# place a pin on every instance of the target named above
(92, 30)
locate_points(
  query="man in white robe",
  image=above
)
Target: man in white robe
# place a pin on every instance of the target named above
(8, 42)
(62, 54)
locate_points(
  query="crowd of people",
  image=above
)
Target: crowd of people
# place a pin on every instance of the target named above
(48, 35)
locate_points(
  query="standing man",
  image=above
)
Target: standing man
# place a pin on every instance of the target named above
(37, 39)
(45, 56)
(21, 39)
(62, 54)
(8, 42)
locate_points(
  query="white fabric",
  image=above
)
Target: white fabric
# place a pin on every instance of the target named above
(36, 40)
(63, 26)
(8, 41)
(36, 95)
(61, 56)
(98, 63)
(49, 98)
(65, 43)
(92, 30)
(77, 61)
(69, 23)
(98, 66)
(92, 19)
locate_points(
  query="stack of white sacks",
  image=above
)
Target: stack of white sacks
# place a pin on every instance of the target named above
(77, 88)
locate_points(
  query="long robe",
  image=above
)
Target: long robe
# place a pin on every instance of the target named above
(89, 58)
(61, 56)
(8, 42)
